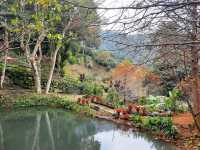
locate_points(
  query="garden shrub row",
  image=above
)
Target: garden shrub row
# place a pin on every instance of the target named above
(71, 85)
(21, 76)
(161, 103)
(158, 124)
(35, 100)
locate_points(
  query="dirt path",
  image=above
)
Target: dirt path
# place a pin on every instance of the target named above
(183, 119)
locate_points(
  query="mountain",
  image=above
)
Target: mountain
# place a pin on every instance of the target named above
(121, 45)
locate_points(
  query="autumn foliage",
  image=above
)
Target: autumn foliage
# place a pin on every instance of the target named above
(134, 75)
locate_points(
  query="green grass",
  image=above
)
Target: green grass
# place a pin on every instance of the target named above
(35, 100)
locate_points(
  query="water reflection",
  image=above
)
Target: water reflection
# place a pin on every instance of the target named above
(59, 130)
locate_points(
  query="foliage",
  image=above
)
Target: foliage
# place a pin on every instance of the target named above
(113, 97)
(162, 103)
(34, 100)
(72, 59)
(54, 21)
(90, 88)
(171, 101)
(163, 124)
(19, 75)
(70, 52)
(149, 100)
(105, 58)
(66, 85)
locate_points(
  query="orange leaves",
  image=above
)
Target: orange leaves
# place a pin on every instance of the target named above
(128, 70)
(152, 77)
(133, 76)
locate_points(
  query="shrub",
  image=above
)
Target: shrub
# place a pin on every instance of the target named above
(142, 100)
(34, 100)
(106, 59)
(113, 97)
(162, 103)
(98, 90)
(90, 88)
(149, 100)
(163, 124)
(87, 88)
(71, 57)
(171, 101)
(66, 85)
(19, 75)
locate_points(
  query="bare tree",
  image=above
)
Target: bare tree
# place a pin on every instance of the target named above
(145, 16)
(6, 47)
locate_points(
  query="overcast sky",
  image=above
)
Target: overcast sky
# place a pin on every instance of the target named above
(111, 15)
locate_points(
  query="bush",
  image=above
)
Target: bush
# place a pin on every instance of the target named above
(22, 77)
(98, 90)
(113, 97)
(68, 84)
(171, 101)
(162, 103)
(90, 88)
(71, 57)
(163, 124)
(87, 88)
(34, 100)
(19, 75)
(150, 100)
(105, 59)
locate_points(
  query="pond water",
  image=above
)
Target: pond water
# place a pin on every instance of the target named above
(48, 129)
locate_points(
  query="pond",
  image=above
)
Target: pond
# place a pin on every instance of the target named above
(52, 129)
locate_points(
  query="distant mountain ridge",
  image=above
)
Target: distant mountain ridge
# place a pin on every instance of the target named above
(121, 44)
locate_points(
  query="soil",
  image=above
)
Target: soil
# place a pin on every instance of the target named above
(183, 119)
(188, 133)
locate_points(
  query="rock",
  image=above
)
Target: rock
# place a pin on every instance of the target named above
(154, 114)
(95, 108)
(115, 115)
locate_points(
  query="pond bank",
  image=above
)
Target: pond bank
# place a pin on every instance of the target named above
(181, 143)
(62, 101)
(60, 129)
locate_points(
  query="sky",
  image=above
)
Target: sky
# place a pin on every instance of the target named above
(111, 15)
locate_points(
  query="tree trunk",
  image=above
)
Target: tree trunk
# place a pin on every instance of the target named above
(25, 47)
(36, 76)
(4, 69)
(53, 62)
(35, 64)
(5, 59)
(195, 69)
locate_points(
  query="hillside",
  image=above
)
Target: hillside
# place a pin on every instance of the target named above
(118, 43)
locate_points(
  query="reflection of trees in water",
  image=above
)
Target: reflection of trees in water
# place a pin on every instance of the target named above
(48, 131)
(57, 130)
(37, 132)
(147, 137)
(1, 138)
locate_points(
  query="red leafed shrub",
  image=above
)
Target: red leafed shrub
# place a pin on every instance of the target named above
(83, 101)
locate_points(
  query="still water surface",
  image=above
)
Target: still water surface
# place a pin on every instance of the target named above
(59, 130)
